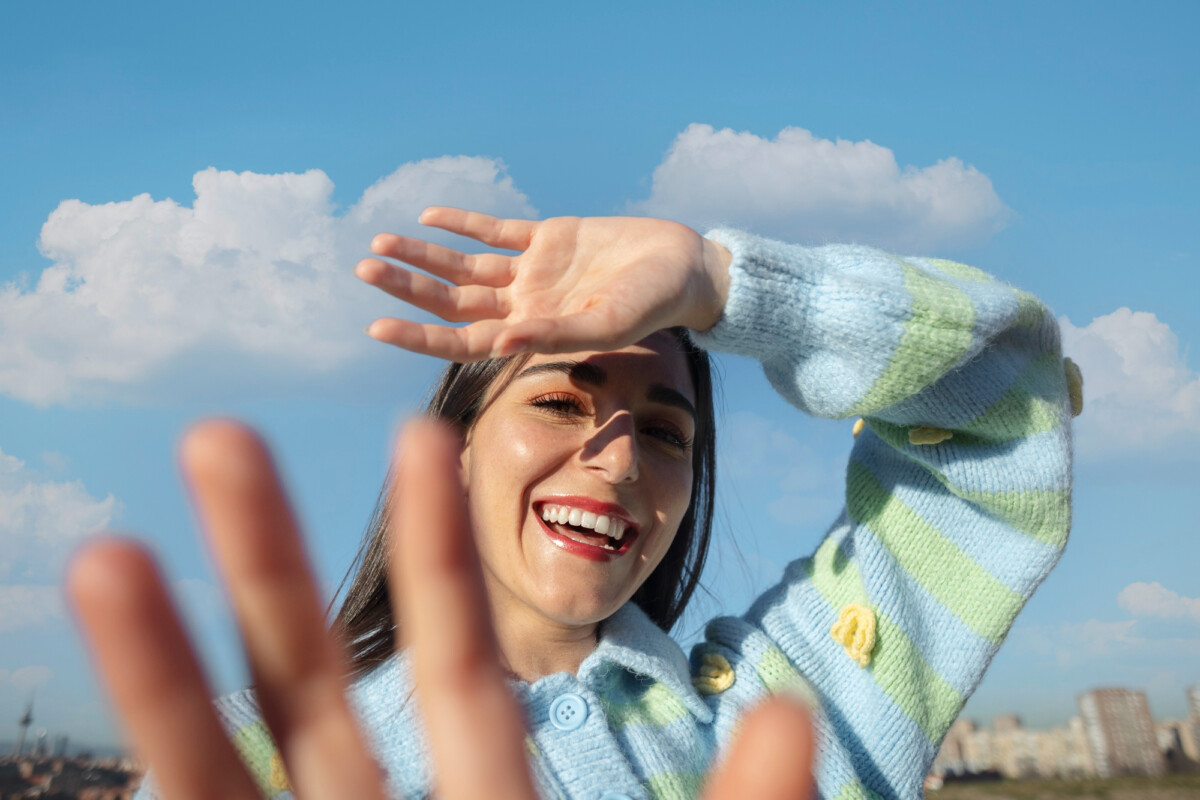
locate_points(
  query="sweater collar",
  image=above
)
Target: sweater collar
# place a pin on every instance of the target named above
(630, 640)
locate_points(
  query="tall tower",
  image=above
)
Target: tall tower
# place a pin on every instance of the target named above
(24, 722)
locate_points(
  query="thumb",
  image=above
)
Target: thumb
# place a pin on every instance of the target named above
(772, 756)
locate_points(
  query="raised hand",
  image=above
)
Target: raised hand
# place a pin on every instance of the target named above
(474, 723)
(577, 283)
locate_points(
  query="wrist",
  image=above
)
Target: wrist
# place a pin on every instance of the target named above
(713, 284)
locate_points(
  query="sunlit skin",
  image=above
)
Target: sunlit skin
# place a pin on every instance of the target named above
(617, 430)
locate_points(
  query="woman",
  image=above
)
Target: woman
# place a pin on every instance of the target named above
(957, 501)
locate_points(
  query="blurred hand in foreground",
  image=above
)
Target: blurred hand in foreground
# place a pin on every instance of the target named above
(575, 284)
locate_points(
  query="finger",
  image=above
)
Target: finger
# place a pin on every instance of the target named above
(145, 660)
(511, 234)
(485, 269)
(589, 330)
(476, 732)
(297, 667)
(473, 342)
(771, 758)
(451, 303)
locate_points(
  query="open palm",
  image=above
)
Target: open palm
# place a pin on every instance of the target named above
(577, 283)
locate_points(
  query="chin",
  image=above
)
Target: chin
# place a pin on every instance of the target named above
(576, 610)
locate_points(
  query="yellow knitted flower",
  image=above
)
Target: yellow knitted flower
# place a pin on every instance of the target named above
(1074, 386)
(927, 435)
(855, 631)
(716, 675)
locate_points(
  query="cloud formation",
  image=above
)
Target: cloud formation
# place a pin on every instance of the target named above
(1156, 601)
(798, 187)
(1139, 393)
(254, 281)
(1115, 644)
(29, 606)
(42, 520)
(26, 679)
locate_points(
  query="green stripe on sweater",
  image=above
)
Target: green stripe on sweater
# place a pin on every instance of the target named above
(675, 785)
(935, 338)
(1043, 514)
(855, 791)
(973, 594)
(1032, 405)
(657, 706)
(780, 676)
(1030, 312)
(897, 666)
(962, 272)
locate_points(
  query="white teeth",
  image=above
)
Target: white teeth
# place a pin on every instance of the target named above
(601, 523)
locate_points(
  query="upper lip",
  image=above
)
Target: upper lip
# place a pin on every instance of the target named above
(590, 504)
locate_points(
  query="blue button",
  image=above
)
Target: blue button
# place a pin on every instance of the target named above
(615, 796)
(568, 712)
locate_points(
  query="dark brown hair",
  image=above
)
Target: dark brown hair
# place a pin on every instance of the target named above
(365, 622)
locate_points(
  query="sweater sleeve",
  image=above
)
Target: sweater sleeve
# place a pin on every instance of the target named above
(957, 488)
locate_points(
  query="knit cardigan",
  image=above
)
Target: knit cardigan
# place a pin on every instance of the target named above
(957, 506)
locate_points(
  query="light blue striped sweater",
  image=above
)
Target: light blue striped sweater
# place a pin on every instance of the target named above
(957, 506)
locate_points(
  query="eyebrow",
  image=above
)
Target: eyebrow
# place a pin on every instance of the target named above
(588, 373)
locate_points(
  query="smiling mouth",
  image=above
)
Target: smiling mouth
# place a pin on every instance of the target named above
(587, 533)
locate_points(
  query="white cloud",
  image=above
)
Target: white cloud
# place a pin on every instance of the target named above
(29, 606)
(1095, 641)
(801, 188)
(42, 520)
(1139, 393)
(26, 679)
(1157, 601)
(251, 284)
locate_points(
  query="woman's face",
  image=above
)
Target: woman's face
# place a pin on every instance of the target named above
(574, 451)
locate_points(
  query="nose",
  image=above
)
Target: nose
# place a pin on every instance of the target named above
(613, 450)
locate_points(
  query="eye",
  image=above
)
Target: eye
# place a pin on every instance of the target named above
(669, 435)
(558, 404)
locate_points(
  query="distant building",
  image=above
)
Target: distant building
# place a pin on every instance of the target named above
(951, 759)
(23, 724)
(1193, 697)
(1120, 733)
(1176, 743)
(1014, 750)
(1063, 752)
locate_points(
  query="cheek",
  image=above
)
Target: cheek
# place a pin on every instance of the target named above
(504, 459)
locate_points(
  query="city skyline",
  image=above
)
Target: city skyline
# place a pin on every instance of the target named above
(186, 196)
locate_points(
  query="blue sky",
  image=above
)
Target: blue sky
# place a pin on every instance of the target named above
(184, 192)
